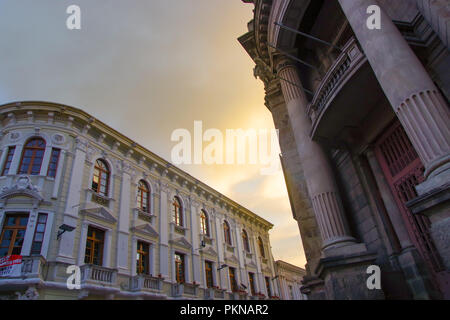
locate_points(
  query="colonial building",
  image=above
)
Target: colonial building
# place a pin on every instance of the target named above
(364, 125)
(289, 279)
(76, 195)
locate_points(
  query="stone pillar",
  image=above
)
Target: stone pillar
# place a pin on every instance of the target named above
(195, 220)
(319, 177)
(344, 262)
(420, 107)
(59, 171)
(437, 13)
(223, 275)
(163, 232)
(66, 244)
(123, 223)
(295, 182)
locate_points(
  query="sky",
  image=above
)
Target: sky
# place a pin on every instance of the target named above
(147, 68)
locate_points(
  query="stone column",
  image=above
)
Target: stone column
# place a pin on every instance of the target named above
(74, 195)
(319, 177)
(344, 262)
(123, 224)
(437, 13)
(195, 220)
(223, 276)
(415, 99)
(163, 232)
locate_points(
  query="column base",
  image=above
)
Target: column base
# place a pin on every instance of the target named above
(437, 180)
(436, 205)
(416, 275)
(345, 273)
(314, 288)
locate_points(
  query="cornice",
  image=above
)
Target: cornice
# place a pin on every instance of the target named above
(124, 149)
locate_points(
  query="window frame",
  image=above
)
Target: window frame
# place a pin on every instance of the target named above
(261, 248)
(268, 288)
(32, 253)
(209, 267)
(144, 255)
(142, 194)
(56, 162)
(16, 227)
(94, 240)
(8, 160)
(204, 223)
(251, 282)
(180, 267)
(99, 176)
(232, 277)
(178, 211)
(245, 241)
(227, 233)
(33, 157)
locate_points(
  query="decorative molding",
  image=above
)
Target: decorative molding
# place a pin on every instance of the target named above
(182, 242)
(22, 186)
(146, 230)
(99, 213)
(58, 139)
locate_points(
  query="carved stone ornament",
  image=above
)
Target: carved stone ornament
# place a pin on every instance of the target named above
(58, 139)
(23, 185)
(30, 294)
(14, 136)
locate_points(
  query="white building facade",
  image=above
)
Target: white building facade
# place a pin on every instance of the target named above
(75, 192)
(289, 279)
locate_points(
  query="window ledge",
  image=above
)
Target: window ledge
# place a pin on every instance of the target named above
(100, 196)
(147, 216)
(208, 240)
(229, 248)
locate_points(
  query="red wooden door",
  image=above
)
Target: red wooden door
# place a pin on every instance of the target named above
(404, 170)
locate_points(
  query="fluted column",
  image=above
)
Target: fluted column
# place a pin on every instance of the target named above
(437, 14)
(319, 177)
(415, 99)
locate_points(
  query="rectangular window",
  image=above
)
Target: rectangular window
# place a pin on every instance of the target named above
(142, 258)
(269, 292)
(13, 234)
(94, 246)
(179, 267)
(8, 160)
(38, 239)
(53, 164)
(232, 275)
(251, 278)
(209, 274)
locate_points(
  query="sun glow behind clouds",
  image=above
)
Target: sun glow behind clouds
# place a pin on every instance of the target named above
(147, 68)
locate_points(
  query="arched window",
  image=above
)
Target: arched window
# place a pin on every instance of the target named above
(100, 180)
(32, 156)
(245, 241)
(204, 224)
(261, 247)
(226, 232)
(143, 197)
(177, 212)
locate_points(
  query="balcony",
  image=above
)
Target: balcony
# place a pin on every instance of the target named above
(96, 275)
(30, 267)
(238, 295)
(186, 290)
(145, 283)
(214, 293)
(346, 94)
